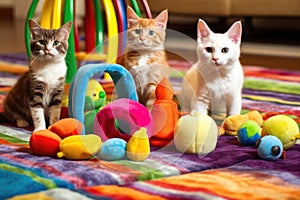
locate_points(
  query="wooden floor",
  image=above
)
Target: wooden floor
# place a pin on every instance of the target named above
(259, 54)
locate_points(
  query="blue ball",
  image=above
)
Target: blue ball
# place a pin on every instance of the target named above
(269, 148)
(113, 149)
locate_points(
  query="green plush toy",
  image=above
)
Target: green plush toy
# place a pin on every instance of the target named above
(94, 100)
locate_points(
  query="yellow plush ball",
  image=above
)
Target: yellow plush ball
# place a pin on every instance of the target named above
(283, 127)
(196, 134)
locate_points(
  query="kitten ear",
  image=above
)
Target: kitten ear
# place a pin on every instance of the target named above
(162, 19)
(235, 32)
(64, 31)
(132, 18)
(34, 27)
(203, 29)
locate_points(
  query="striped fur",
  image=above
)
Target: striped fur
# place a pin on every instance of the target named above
(145, 57)
(37, 96)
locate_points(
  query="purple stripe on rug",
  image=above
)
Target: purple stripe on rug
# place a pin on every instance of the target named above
(16, 58)
(283, 96)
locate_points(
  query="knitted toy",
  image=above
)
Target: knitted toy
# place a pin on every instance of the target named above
(232, 123)
(165, 114)
(196, 133)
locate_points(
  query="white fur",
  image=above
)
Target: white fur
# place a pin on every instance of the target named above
(215, 82)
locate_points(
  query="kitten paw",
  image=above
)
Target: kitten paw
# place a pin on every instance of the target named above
(39, 128)
(21, 123)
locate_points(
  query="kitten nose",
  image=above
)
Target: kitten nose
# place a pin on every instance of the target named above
(215, 59)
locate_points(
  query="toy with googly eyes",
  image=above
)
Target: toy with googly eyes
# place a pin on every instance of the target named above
(270, 148)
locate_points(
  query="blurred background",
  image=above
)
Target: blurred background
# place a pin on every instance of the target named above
(271, 28)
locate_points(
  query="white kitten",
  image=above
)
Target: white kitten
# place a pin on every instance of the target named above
(213, 85)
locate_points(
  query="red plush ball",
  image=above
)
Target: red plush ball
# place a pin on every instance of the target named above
(44, 143)
(66, 127)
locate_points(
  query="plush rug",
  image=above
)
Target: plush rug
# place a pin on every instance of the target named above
(231, 171)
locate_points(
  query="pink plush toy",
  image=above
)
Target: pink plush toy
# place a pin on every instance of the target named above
(128, 113)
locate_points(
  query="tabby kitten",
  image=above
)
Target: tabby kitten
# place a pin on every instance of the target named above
(145, 57)
(213, 85)
(37, 95)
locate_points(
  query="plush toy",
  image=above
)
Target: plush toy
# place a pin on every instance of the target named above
(122, 79)
(232, 123)
(66, 127)
(113, 149)
(196, 133)
(283, 127)
(269, 148)
(138, 146)
(165, 114)
(44, 143)
(95, 98)
(63, 139)
(79, 147)
(249, 133)
(129, 112)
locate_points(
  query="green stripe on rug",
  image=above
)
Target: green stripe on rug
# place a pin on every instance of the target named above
(146, 172)
(11, 139)
(268, 85)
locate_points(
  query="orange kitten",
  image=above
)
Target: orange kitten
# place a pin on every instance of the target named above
(145, 57)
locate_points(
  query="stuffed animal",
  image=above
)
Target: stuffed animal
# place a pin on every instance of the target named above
(269, 148)
(249, 133)
(138, 146)
(283, 127)
(232, 123)
(196, 133)
(95, 98)
(165, 114)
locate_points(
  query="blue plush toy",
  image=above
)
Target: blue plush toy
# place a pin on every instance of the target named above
(113, 149)
(269, 147)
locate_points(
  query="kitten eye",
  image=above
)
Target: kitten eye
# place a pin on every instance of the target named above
(151, 32)
(55, 43)
(209, 49)
(42, 42)
(225, 50)
(137, 31)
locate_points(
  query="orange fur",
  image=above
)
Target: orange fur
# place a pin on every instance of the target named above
(145, 57)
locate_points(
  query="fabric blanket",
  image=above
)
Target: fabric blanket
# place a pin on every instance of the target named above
(231, 171)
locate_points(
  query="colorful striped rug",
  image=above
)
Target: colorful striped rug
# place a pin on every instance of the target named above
(231, 171)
